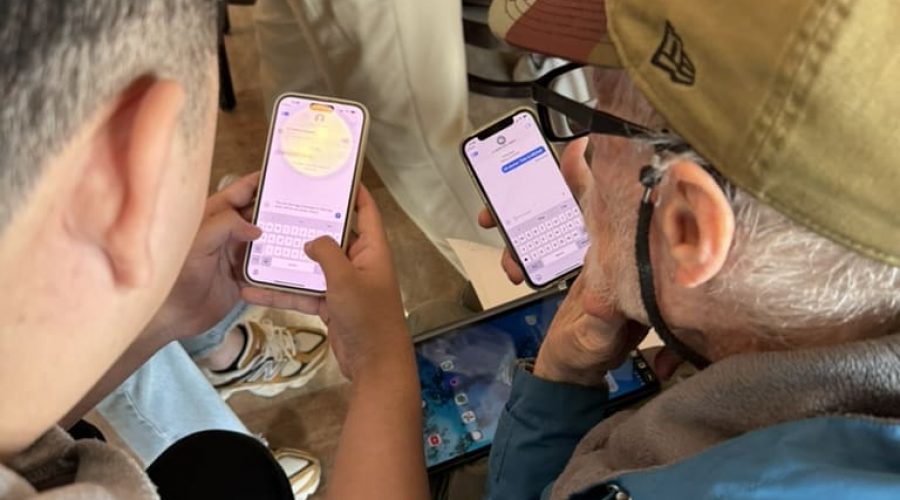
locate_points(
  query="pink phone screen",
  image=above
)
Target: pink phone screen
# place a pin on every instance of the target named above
(306, 189)
(521, 180)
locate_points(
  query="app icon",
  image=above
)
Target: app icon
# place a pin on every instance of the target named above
(468, 416)
(447, 365)
(461, 399)
(611, 383)
(476, 435)
(434, 440)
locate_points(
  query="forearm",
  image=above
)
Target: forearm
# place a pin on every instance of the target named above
(380, 448)
(540, 426)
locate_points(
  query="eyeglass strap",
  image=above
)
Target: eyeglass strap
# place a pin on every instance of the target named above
(650, 178)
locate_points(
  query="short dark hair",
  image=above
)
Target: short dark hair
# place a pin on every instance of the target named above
(60, 60)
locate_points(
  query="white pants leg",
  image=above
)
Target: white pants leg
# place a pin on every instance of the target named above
(405, 60)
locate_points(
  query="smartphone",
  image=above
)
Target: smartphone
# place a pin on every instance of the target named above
(307, 188)
(517, 172)
(466, 369)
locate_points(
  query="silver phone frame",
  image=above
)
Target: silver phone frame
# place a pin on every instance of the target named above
(358, 166)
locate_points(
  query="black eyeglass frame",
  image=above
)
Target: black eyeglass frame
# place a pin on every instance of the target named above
(545, 99)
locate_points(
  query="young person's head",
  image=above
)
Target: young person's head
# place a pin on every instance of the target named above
(106, 132)
(774, 222)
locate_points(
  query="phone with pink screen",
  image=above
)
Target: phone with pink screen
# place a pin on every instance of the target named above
(307, 188)
(518, 175)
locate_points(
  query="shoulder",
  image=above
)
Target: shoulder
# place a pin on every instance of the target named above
(812, 458)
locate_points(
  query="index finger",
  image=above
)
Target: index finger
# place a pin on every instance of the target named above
(239, 194)
(368, 218)
(485, 219)
(280, 300)
(575, 168)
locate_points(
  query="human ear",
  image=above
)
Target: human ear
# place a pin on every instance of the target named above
(696, 222)
(129, 152)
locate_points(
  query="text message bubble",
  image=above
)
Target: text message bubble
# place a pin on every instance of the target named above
(525, 158)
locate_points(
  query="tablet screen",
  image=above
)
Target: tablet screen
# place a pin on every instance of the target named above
(466, 376)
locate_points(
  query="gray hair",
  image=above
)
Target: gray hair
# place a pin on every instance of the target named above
(781, 278)
(61, 60)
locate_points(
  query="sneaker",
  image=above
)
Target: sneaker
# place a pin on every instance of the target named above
(302, 469)
(274, 358)
(226, 180)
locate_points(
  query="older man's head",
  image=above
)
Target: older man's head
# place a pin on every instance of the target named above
(805, 253)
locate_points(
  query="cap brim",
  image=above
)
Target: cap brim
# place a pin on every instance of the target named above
(571, 29)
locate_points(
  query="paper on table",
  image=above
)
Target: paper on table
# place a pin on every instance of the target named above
(482, 265)
(651, 340)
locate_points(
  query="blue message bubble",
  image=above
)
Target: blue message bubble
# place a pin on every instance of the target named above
(525, 158)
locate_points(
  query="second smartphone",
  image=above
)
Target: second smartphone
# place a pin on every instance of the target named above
(518, 175)
(307, 188)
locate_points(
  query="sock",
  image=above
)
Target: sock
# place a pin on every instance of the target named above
(234, 364)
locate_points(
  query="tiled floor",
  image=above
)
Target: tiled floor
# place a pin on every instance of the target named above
(310, 418)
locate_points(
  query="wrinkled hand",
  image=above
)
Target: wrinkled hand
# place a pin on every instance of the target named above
(362, 305)
(577, 174)
(208, 286)
(586, 339)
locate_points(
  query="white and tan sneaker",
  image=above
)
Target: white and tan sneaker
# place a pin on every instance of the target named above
(302, 469)
(274, 358)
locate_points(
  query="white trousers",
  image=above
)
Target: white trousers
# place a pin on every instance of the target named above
(405, 60)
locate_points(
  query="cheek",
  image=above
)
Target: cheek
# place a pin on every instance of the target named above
(611, 216)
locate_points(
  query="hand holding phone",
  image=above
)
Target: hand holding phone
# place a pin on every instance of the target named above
(577, 174)
(307, 189)
(516, 171)
(362, 308)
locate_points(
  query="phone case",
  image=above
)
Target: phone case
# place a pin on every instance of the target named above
(481, 191)
(353, 192)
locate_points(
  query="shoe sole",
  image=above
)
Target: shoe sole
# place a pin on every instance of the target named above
(272, 390)
(305, 490)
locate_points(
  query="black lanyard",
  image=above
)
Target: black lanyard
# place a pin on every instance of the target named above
(650, 178)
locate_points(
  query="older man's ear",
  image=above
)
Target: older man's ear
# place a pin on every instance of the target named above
(696, 222)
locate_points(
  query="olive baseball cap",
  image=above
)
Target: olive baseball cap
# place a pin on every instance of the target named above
(796, 102)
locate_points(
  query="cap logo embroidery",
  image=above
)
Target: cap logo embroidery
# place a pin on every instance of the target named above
(671, 58)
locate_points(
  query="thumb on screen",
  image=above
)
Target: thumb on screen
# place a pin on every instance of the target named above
(328, 254)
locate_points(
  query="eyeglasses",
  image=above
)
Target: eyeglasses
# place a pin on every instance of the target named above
(562, 117)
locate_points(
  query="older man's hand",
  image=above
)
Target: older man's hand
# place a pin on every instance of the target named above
(587, 338)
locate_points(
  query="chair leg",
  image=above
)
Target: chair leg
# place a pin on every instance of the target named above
(227, 100)
(226, 18)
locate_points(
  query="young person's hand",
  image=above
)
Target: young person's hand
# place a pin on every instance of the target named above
(577, 174)
(209, 284)
(380, 448)
(362, 307)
